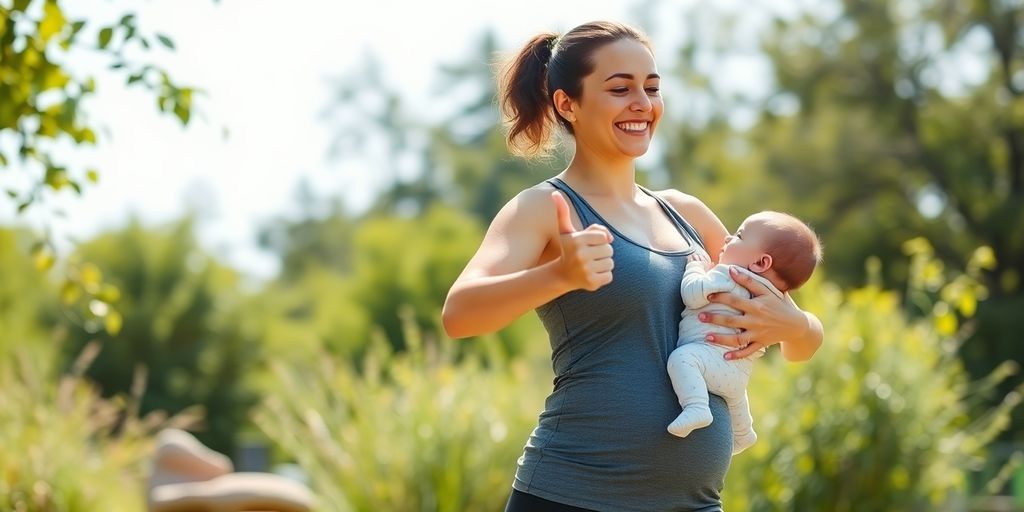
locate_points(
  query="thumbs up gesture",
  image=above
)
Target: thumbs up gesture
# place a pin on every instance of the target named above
(586, 260)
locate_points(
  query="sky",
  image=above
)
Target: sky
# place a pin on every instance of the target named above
(258, 131)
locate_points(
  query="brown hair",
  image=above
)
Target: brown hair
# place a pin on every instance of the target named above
(794, 247)
(545, 64)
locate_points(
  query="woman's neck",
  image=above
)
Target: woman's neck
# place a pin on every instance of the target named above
(601, 178)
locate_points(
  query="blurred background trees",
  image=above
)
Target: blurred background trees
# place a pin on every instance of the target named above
(894, 128)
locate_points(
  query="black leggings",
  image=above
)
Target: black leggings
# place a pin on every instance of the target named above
(523, 502)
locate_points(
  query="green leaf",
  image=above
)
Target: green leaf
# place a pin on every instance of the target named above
(69, 292)
(104, 38)
(183, 113)
(21, 5)
(12, 194)
(109, 293)
(90, 276)
(52, 23)
(76, 27)
(55, 78)
(166, 41)
(113, 323)
(57, 178)
(134, 78)
(92, 175)
(43, 260)
(127, 20)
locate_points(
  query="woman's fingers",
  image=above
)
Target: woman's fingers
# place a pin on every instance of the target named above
(587, 256)
(745, 351)
(728, 340)
(734, 321)
(745, 280)
(730, 300)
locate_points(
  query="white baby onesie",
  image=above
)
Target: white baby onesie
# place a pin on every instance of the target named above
(697, 367)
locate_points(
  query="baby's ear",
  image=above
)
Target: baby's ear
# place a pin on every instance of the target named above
(762, 264)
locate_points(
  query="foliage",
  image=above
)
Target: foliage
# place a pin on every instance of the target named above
(65, 447)
(27, 298)
(401, 262)
(43, 99)
(884, 417)
(181, 324)
(422, 429)
(43, 108)
(347, 277)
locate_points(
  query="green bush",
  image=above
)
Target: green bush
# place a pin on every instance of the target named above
(181, 322)
(423, 429)
(884, 416)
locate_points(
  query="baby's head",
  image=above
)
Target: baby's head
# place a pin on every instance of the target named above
(775, 245)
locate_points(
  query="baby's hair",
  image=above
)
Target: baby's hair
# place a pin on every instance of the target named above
(794, 247)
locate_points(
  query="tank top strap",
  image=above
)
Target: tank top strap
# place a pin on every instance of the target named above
(586, 213)
(678, 219)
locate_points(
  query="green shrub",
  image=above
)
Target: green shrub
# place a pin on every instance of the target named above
(883, 417)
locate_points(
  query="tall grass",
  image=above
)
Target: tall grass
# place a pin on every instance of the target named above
(424, 429)
(63, 447)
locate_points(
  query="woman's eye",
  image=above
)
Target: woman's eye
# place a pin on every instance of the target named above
(653, 90)
(620, 90)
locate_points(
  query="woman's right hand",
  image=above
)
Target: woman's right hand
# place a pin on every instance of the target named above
(586, 260)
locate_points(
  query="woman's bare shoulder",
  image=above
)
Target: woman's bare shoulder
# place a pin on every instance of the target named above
(686, 204)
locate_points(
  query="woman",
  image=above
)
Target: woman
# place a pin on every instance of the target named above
(604, 275)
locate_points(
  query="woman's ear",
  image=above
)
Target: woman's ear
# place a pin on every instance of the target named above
(564, 105)
(762, 264)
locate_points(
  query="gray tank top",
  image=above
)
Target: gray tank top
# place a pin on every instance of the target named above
(600, 442)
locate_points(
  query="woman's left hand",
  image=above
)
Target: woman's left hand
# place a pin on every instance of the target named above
(765, 320)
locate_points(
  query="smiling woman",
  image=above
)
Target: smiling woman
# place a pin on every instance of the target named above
(600, 442)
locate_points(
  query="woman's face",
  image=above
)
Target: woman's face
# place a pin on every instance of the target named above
(621, 103)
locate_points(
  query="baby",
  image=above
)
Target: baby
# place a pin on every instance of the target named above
(777, 250)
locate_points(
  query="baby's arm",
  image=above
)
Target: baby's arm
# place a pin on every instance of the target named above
(699, 282)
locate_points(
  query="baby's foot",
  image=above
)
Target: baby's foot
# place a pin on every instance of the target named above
(694, 416)
(740, 443)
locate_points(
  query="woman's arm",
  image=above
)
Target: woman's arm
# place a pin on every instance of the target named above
(531, 254)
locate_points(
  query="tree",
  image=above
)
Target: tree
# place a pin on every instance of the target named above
(868, 132)
(183, 327)
(42, 105)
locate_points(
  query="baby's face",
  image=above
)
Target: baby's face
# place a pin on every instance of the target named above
(745, 246)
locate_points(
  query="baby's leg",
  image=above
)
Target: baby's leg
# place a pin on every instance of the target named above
(685, 369)
(743, 435)
(728, 379)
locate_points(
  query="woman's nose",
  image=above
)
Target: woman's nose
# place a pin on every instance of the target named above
(642, 103)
